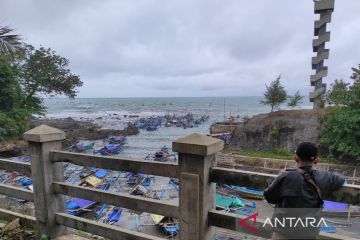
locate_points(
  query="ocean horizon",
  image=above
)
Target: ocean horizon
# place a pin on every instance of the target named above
(112, 113)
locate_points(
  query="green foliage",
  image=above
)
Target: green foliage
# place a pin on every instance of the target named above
(44, 73)
(295, 100)
(26, 76)
(338, 94)
(341, 133)
(275, 94)
(342, 125)
(274, 133)
(276, 153)
(13, 113)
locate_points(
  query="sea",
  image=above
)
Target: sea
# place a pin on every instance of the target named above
(113, 113)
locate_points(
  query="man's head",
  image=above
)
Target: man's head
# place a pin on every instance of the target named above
(306, 153)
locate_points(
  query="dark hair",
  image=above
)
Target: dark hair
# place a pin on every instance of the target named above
(307, 152)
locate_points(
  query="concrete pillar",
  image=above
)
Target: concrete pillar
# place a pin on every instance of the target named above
(42, 140)
(197, 194)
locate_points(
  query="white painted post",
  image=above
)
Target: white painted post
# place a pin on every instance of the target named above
(197, 194)
(42, 140)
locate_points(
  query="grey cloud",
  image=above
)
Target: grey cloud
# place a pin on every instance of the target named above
(183, 47)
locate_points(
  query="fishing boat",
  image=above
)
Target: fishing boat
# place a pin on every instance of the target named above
(226, 202)
(168, 225)
(78, 206)
(101, 173)
(120, 139)
(91, 181)
(152, 127)
(133, 179)
(110, 150)
(163, 155)
(339, 209)
(114, 216)
(175, 183)
(246, 192)
(79, 147)
(328, 229)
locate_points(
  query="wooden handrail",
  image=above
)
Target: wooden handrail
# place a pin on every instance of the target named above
(101, 229)
(17, 192)
(256, 180)
(119, 199)
(119, 164)
(9, 215)
(24, 168)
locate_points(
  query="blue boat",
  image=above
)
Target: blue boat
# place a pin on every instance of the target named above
(120, 139)
(146, 182)
(101, 173)
(110, 150)
(81, 147)
(100, 212)
(114, 216)
(78, 206)
(152, 127)
(175, 183)
(171, 229)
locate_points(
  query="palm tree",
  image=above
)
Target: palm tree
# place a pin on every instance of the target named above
(9, 42)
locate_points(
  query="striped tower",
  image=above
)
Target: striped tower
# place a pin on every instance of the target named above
(325, 9)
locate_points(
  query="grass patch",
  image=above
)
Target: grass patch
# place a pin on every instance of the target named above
(279, 154)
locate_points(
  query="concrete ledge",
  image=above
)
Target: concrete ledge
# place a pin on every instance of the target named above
(198, 144)
(44, 133)
(24, 168)
(17, 192)
(101, 229)
(324, 5)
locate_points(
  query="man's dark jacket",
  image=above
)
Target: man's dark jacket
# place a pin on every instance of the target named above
(291, 190)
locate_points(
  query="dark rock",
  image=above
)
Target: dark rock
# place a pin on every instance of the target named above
(278, 130)
(82, 130)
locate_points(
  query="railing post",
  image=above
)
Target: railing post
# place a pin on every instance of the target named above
(197, 194)
(42, 140)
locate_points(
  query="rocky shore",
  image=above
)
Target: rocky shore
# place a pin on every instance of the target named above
(81, 130)
(75, 131)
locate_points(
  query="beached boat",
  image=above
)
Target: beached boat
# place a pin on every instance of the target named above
(168, 225)
(175, 183)
(113, 216)
(246, 192)
(101, 173)
(79, 147)
(110, 150)
(226, 202)
(120, 139)
(78, 206)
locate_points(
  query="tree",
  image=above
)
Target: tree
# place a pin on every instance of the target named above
(9, 42)
(275, 94)
(341, 132)
(295, 100)
(44, 73)
(26, 76)
(338, 93)
(13, 114)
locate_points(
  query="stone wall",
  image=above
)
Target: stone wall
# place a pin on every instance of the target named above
(278, 130)
(221, 127)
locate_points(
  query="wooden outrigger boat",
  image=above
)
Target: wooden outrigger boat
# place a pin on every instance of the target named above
(246, 192)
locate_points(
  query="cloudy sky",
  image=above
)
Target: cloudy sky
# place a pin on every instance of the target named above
(150, 48)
